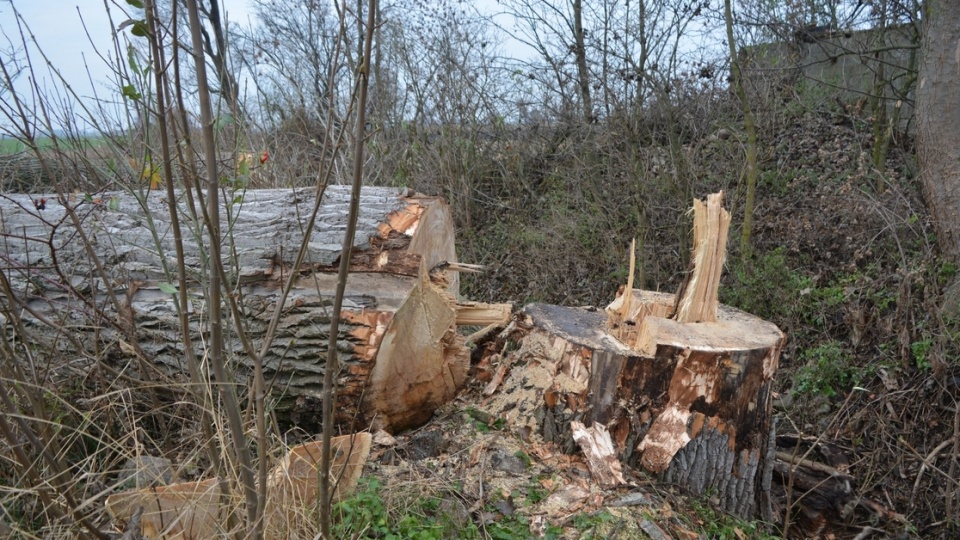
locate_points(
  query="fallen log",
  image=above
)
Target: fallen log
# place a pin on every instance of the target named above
(682, 384)
(57, 296)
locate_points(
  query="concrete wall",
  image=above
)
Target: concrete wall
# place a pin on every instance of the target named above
(844, 65)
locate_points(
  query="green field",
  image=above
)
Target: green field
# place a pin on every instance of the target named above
(10, 145)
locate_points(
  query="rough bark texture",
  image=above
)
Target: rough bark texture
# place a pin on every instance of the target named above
(399, 233)
(938, 115)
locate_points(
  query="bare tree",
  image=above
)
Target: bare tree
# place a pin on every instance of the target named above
(289, 54)
(736, 76)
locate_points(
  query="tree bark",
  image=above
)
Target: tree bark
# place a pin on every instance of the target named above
(400, 235)
(938, 115)
(583, 74)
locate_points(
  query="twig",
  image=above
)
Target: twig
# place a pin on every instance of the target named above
(926, 463)
(810, 464)
(330, 368)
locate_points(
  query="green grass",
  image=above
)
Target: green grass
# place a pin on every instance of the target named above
(719, 526)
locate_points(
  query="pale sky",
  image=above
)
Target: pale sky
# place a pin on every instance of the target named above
(61, 29)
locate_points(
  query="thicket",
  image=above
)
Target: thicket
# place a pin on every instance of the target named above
(603, 132)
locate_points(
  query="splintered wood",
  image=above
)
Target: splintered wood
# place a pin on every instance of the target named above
(698, 297)
(201, 510)
(421, 359)
(600, 453)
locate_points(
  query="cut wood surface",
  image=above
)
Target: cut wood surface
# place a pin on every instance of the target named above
(61, 293)
(683, 385)
(421, 362)
(198, 511)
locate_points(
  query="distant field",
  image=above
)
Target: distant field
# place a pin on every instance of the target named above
(12, 146)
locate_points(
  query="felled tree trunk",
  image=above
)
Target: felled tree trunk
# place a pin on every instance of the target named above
(55, 285)
(682, 384)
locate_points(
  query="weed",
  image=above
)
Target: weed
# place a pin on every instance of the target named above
(515, 527)
(524, 458)
(827, 370)
(921, 352)
(536, 493)
(718, 526)
(589, 522)
(945, 273)
(766, 287)
(365, 515)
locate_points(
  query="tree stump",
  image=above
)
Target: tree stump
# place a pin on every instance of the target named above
(56, 296)
(688, 400)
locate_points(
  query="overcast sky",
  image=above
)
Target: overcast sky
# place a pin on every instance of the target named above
(70, 33)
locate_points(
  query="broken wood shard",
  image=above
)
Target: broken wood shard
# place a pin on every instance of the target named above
(293, 486)
(421, 362)
(199, 511)
(185, 511)
(698, 297)
(600, 453)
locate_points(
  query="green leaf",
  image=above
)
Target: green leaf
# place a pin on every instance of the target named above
(114, 203)
(238, 199)
(136, 3)
(130, 92)
(132, 60)
(139, 29)
(168, 288)
(223, 121)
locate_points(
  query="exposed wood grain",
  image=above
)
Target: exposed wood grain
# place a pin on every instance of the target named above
(698, 296)
(422, 361)
(600, 453)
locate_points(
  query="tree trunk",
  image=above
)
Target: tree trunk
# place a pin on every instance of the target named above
(583, 74)
(400, 235)
(938, 115)
(749, 126)
(682, 384)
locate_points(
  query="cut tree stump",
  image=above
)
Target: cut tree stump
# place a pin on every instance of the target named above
(682, 383)
(55, 288)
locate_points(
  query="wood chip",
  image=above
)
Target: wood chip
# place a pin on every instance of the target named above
(601, 455)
